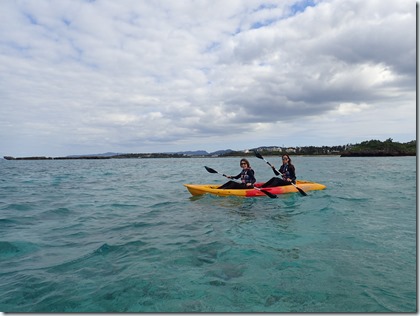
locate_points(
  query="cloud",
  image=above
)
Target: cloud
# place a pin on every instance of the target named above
(138, 76)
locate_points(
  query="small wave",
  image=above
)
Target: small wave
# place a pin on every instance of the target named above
(65, 266)
(383, 304)
(102, 251)
(105, 248)
(11, 249)
(122, 205)
(352, 198)
(20, 206)
(226, 271)
(134, 225)
(163, 205)
(4, 222)
(7, 247)
(56, 212)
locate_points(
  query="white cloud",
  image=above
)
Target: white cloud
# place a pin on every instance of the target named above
(349, 108)
(137, 76)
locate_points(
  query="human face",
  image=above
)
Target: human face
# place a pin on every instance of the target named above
(244, 164)
(285, 159)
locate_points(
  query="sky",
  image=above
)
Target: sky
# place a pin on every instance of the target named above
(137, 76)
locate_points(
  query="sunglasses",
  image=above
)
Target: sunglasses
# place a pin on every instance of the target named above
(243, 163)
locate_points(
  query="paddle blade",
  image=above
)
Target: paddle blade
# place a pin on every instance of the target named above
(271, 195)
(258, 155)
(276, 172)
(210, 170)
(300, 190)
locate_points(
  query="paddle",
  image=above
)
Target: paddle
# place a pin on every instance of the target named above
(258, 155)
(273, 196)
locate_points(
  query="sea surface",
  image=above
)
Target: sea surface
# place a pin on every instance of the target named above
(125, 235)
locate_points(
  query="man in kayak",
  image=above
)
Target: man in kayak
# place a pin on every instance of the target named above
(287, 171)
(247, 177)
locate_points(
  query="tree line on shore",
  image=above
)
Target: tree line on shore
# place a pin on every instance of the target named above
(369, 148)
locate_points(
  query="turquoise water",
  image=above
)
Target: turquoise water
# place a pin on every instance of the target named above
(126, 236)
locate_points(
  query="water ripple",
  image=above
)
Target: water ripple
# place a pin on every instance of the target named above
(126, 236)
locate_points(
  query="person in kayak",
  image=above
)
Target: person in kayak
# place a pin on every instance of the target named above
(247, 177)
(288, 173)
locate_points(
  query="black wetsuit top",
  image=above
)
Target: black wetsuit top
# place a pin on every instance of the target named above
(246, 175)
(288, 171)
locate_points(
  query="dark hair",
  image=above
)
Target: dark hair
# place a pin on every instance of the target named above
(288, 157)
(246, 161)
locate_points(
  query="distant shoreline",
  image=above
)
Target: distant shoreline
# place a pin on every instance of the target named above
(372, 148)
(148, 156)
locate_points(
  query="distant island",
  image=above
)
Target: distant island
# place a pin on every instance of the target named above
(371, 148)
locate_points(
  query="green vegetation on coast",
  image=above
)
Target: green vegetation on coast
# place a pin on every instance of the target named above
(378, 148)
(371, 148)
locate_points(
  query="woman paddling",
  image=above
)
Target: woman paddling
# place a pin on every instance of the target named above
(247, 177)
(287, 171)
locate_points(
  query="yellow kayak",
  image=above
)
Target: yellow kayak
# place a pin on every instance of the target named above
(200, 189)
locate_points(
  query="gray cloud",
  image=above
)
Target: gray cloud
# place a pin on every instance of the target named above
(137, 76)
